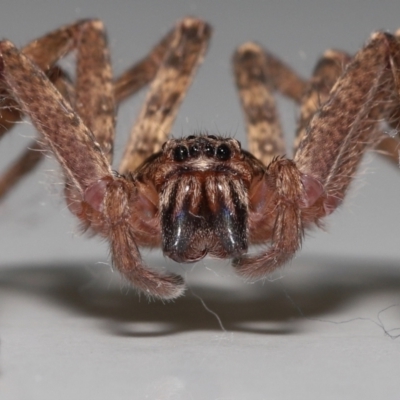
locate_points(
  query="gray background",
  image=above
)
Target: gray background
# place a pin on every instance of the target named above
(69, 328)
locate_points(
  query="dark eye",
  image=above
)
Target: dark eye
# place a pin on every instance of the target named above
(209, 150)
(223, 152)
(180, 153)
(194, 150)
(212, 137)
(191, 137)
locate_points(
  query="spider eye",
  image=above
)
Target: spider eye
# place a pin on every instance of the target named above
(209, 150)
(190, 137)
(180, 153)
(212, 137)
(194, 150)
(223, 152)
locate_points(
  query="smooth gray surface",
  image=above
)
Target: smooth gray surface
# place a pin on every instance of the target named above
(69, 329)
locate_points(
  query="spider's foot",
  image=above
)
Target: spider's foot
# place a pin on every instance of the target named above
(166, 287)
(258, 266)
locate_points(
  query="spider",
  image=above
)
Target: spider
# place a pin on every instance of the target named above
(202, 194)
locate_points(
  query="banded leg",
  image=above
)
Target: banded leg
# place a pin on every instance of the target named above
(93, 86)
(94, 98)
(81, 157)
(166, 92)
(32, 156)
(143, 72)
(257, 74)
(343, 129)
(326, 73)
(264, 131)
(306, 190)
(93, 72)
(105, 203)
(284, 79)
(45, 52)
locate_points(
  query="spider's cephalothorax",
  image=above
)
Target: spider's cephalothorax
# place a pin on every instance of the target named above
(203, 184)
(202, 194)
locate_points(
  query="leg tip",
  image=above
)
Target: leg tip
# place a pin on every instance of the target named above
(249, 48)
(167, 287)
(195, 28)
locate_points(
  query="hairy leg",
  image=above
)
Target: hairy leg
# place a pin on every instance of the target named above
(33, 154)
(144, 71)
(110, 205)
(264, 132)
(283, 79)
(304, 191)
(81, 157)
(344, 127)
(326, 73)
(166, 92)
(103, 202)
(92, 98)
(45, 52)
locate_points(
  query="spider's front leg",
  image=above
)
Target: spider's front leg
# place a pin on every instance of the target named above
(100, 200)
(345, 127)
(110, 205)
(328, 154)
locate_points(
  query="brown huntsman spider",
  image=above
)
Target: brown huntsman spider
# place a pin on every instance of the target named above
(202, 194)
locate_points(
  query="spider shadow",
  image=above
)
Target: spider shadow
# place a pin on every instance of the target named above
(311, 290)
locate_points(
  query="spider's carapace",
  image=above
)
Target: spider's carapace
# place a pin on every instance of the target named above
(203, 184)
